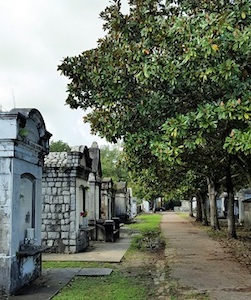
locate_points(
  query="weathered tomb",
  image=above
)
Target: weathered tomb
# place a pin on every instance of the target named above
(23, 143)
(247, 213)
(131, 207)
(122, 201)
(241, 197)
(71, 189)
(116, 208)
(66, 200)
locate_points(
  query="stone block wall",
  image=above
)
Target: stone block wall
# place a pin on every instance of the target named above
(59, 209)
(63, 176)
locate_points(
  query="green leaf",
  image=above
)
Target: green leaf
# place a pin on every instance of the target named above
(243, 15)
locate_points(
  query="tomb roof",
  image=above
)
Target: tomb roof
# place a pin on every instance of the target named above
(78, 156)
(55, 159)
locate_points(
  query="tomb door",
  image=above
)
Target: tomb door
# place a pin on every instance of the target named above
(27, 205)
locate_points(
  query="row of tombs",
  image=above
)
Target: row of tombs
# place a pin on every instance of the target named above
(52, 202)
(77, 203)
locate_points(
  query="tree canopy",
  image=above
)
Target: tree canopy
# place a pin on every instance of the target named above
(159, 60)
(111, 160)
(59, 146)
(172, 79)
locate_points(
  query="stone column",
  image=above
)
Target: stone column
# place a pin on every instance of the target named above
(91, 205)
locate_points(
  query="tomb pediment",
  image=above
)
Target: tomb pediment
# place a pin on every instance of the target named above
(34, 130)
(25, 124)
(85, 160)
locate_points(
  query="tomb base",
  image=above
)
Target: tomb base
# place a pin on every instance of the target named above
(18, 271)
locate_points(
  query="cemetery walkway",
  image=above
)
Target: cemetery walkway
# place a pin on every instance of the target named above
(200, 263)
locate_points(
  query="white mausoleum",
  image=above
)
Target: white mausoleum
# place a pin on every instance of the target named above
(23, 143)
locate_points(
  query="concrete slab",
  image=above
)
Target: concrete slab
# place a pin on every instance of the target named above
(53, 280)
(47, 285)
(98, 252)
(95, 272)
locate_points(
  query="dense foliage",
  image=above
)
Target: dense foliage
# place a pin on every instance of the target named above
(111, 161)
(172, 78)
(59, 146)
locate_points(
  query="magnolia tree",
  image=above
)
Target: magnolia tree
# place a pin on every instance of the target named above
(172, 79)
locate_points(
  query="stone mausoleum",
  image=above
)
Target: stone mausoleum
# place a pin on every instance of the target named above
(24, 142)
(71, 198)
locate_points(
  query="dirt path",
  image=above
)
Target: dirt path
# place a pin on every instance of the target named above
(200, 263)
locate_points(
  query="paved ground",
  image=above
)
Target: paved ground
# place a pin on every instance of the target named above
(98, 251)
(200, 263)
(47, 285)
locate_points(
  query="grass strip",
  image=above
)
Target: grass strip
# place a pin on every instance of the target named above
(114, 287)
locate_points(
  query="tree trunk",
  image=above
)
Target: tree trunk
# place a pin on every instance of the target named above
(199, 208)
(214, 222)
(230, 206)
(191, 208)
(202, 200)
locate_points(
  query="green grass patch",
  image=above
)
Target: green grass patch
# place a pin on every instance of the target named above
(146, 222)
(114, 287)
(120, 285)
(149, 234)
(75, 264)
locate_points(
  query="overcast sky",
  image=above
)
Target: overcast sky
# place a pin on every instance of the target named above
(35, 36)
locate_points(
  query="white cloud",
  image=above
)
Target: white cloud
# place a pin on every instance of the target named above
(35, 36)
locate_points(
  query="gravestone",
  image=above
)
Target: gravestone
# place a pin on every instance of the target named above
(24, 142)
